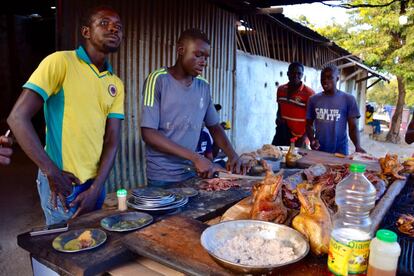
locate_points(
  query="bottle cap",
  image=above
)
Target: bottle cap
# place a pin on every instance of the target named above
(121, 192)
(386, 235)
(357, 168)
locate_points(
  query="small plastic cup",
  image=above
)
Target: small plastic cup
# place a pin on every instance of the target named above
(122, 199)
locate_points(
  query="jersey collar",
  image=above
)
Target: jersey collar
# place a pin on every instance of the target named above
(83, 55)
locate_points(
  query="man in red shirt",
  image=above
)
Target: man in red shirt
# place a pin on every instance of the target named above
(292, 100)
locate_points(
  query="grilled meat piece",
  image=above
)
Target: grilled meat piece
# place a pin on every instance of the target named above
(390, 168)
(405, 224)
(409, 165)
(218, 184)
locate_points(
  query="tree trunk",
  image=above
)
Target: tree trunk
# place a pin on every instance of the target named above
(393, 135)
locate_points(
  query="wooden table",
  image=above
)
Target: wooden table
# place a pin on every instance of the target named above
(311, 157)
(120, 248)
(204, 206)
(175, 242)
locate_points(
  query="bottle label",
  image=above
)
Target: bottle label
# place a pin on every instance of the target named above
(358, 262)
(338, 257)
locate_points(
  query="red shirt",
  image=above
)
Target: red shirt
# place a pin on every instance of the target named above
(293, 109)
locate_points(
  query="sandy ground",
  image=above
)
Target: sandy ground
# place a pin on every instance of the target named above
(21, 211)
(378, 147)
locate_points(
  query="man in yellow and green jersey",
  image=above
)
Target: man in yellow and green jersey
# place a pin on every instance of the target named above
(83, 105)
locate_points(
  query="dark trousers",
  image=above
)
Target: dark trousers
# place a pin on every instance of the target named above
(283, 136)
(376, 125)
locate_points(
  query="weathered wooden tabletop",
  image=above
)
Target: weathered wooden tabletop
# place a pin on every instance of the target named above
(204, 206)
(311, 157)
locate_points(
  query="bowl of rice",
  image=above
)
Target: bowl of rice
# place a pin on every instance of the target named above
(253, 246)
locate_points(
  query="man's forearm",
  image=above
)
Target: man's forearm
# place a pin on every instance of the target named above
(310, 133)
(220, 138)
(354, 135)
(109, 150)
(105, 165)
(161, 143)
(28, 140)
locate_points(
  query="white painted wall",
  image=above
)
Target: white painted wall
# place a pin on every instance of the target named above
(255, 98)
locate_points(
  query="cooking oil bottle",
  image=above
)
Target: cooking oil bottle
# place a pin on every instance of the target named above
(351, 234)
(291, 155)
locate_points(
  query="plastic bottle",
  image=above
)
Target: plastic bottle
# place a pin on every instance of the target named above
(291, 156)
(122, 195)
(384, 253)
(351, 232)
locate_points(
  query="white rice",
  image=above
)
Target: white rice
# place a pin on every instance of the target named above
(256, 251)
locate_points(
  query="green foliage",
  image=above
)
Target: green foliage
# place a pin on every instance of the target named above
(386, 93)
(305, 21)
(375, 35)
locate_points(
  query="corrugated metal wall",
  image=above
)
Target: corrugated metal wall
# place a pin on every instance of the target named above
(150, 32)
(260, 35)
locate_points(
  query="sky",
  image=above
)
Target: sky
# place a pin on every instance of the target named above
(318, 14)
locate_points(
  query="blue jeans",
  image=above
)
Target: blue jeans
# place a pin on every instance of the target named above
(59, 215)
(376, 125)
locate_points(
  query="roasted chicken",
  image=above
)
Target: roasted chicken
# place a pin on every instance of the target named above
(405, 224)
(314, 219)
(250, 159)
(267, 202)
(409, 165)
(269, 151)
(390, 167)
(253, 158)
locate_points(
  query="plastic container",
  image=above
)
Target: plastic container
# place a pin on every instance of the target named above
(122, 199)
(384, 253)
(351, 232)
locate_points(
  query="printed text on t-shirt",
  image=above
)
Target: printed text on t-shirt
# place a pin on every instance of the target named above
(327, 114)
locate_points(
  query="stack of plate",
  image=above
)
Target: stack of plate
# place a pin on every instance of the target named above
(156, 199)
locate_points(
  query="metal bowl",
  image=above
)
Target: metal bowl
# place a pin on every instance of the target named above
(214, 237)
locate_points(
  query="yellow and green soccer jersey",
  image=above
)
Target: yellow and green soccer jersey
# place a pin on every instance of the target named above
(78, 101)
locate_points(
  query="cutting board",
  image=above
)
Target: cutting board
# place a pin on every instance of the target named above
(175, 242)
(311, 157)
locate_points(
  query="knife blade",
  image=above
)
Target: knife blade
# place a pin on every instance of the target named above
(236, 176)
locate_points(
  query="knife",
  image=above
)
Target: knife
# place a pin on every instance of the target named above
(236, 176)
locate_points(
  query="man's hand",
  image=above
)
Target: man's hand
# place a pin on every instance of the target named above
(315, 144)
(359, 149)
(85, 201)
(205, 168)
(5, 150)
(236, 165)
(60, 183)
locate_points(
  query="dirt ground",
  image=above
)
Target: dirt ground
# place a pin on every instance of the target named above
(21, 211)
(378, 147)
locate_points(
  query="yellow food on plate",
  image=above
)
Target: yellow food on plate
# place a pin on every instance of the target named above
(84, 240)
